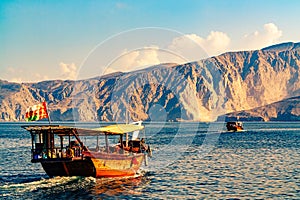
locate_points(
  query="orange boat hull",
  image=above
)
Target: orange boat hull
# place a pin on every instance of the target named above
(116, 165)
(95, 164)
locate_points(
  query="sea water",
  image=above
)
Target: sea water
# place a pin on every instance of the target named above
(190, 160)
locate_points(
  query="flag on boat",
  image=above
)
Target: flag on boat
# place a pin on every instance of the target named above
(37, 112)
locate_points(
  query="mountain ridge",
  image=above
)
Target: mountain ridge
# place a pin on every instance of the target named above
(284, 110)
(282, 47)
(199, 91)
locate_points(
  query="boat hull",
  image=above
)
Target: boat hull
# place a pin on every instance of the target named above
(234, 126)
(235, 129)
(116, 165)
(97, 165)
(69, 168)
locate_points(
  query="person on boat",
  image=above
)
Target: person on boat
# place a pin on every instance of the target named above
(144, 147)
(117, 149)
(51, 153)
(70, 152)
(44, 156)
(77, 148)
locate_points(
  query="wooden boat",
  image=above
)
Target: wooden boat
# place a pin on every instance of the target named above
(61, 152)
(234, 126)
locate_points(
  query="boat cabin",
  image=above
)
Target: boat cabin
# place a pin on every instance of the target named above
(68, 151)
(234, 126)
(54, 142)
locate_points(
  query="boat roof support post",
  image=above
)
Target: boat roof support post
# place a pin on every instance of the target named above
(41, 140)
(61, 143)
(106, 142)
(74, 132)
(126, 140)
(121, 141)
(69, 140)
(32, 140)
(97, 145)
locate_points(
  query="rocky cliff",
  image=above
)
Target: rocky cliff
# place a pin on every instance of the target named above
(285, 110)
(201, 91)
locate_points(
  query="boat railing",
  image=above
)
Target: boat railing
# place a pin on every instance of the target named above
(56, 153)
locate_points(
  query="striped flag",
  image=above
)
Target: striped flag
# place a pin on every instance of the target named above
(36, 112)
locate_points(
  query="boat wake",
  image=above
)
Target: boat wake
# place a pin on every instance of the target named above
(239, 131)
(43, 185)
(276, 129)
(68, 186)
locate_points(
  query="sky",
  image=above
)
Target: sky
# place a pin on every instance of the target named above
(59, 39)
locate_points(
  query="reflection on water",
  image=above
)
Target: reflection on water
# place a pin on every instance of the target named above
(120, 186)
(262, 162)
(232, 173)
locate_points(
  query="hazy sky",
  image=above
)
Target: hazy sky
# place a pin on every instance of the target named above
(42, 40)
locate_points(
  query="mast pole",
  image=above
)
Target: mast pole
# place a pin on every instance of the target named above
(126, 116)
(49, 119)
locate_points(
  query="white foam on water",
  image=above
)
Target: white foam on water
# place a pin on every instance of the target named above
(275, 129)
(41, 184)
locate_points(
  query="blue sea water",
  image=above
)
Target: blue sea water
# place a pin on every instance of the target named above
(190, 160)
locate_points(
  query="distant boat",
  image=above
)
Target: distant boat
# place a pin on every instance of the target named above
(61, 152)
(234, 126)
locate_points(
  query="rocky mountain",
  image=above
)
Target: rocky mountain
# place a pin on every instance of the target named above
(285, 110)
(200, 91)
(283, 47)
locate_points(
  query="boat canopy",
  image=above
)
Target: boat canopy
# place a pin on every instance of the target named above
(120, 128)
(116, 129)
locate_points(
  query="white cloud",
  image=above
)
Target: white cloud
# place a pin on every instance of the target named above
(136, 59)
(194, 47)
(182, 49)
(259, 39)
(69, 71)
(216, 42)
(16, 80)
(188, 46)
(148, 56)
(40, 77)
(19, 75)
